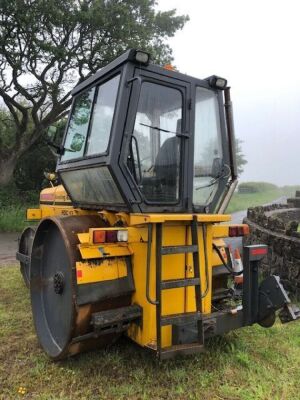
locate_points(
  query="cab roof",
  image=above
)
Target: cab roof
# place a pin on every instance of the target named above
(129, 56)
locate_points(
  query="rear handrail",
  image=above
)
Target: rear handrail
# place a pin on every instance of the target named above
(149, 244)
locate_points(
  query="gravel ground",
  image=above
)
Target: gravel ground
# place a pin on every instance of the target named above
(8, 248)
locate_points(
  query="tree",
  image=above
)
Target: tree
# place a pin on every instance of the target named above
(47, 46)
(211, 150)
(30, 167)
(240, 157)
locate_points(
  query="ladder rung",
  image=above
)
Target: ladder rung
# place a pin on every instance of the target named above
(179, 283)
(183, 318)
(181, 349)
(166, 250)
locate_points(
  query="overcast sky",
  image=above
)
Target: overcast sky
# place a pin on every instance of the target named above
(256, 46)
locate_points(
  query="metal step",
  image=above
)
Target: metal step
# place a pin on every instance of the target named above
(181, 349)
(116, 319)
(219, 271)
(166, 250)
(178, 283)
(178, 319)
(221, 293)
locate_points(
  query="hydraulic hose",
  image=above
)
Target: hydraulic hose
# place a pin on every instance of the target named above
(228, 267)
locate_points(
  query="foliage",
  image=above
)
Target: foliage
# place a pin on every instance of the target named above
(290, 190)
(6, 131)
(13, 219)
(13, 205)
(55, 44)
(30, 168)
(11, 196)
(240, 157)
(242, 365)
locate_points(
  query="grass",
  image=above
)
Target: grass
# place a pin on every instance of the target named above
(13, 218)
(250, 364)
(241, 201)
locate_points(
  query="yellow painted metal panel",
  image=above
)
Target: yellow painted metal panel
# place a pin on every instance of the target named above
(108, 269)
(83, 237)
(220, 231)
(46, 210)
(33, 213)
(215, 257)
(89, 251)
(213, 218)
(177, 266)
(122, 268)
(139, 219)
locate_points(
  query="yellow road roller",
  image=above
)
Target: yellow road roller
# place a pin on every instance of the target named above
(133, 239)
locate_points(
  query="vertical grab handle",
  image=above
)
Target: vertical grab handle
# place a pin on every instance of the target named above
(150, 230)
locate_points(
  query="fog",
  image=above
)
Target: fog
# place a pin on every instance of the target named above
(255, 45)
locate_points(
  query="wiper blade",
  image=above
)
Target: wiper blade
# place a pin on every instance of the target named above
(213, 181)
(157, 128)
(165, 130)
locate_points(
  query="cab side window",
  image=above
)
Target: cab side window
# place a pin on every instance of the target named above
(208, 153)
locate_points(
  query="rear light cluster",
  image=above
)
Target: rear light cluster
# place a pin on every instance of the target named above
(110, 236)
(238, 230)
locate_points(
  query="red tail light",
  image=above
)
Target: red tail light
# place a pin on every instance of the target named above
(110, 236)
(99, 236)
(238, 230)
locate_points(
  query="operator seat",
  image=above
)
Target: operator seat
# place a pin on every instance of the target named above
(166, 167)
(167, 160)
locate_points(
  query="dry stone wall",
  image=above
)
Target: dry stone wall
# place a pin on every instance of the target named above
(276, 225)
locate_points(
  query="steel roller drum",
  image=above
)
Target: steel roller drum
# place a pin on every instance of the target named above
(59, 322)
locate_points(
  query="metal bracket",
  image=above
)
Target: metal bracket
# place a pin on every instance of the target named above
(23, 258)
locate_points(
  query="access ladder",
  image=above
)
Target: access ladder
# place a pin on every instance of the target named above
(181, 318)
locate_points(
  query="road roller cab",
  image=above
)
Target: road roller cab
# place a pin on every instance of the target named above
(137, 246)
(141, 138)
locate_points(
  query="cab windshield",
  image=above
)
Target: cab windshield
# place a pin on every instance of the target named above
(155, 150)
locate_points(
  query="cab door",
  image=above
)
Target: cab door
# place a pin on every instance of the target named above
(155, 145)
